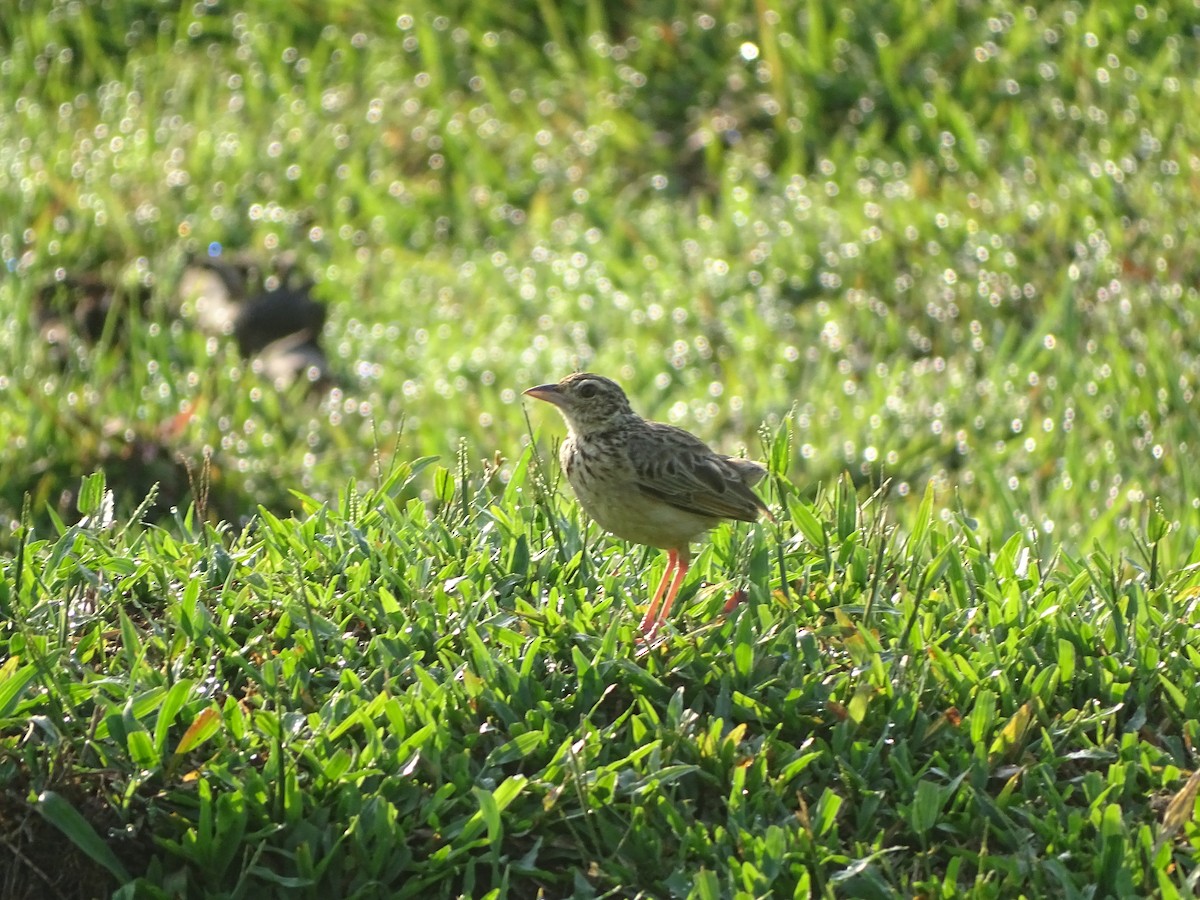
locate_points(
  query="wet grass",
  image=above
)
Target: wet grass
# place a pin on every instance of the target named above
(935, 261)
(374, 699)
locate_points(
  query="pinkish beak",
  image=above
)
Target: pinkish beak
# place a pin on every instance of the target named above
(551, 393)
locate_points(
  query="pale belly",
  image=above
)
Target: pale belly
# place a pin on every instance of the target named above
(617, 506)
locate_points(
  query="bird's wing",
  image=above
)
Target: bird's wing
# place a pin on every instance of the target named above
(678, 468)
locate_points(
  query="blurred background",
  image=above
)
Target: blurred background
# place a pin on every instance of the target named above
(257, 248)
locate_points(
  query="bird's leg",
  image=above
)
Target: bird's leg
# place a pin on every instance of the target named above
(682, 559)
(652, 609)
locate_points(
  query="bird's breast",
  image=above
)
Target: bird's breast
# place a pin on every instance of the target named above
(606, 485)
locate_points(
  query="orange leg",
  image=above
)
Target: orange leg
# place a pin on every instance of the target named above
(652, 609)
(680, 559)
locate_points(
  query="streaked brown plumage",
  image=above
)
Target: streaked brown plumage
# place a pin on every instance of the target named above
(645, 481)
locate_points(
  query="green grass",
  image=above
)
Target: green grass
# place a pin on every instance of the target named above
(934, 261)
(374, 699)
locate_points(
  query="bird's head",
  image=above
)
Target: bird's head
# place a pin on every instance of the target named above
(590, 403)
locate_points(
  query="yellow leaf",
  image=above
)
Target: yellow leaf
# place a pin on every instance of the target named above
(202, 728)
(1181, 809)
(736, 733)
(1013, 733)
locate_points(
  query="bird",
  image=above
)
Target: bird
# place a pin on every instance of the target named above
(647, 482)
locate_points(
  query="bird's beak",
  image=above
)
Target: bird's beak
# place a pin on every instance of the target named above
(551, 393)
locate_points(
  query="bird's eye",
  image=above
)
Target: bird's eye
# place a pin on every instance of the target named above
(587, 390)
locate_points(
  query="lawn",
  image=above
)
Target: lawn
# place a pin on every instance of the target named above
(346, 634)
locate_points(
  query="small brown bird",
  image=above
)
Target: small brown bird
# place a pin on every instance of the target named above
(647, 482)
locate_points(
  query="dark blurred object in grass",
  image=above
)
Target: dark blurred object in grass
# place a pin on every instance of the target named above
(88, 306)
(273, 317)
